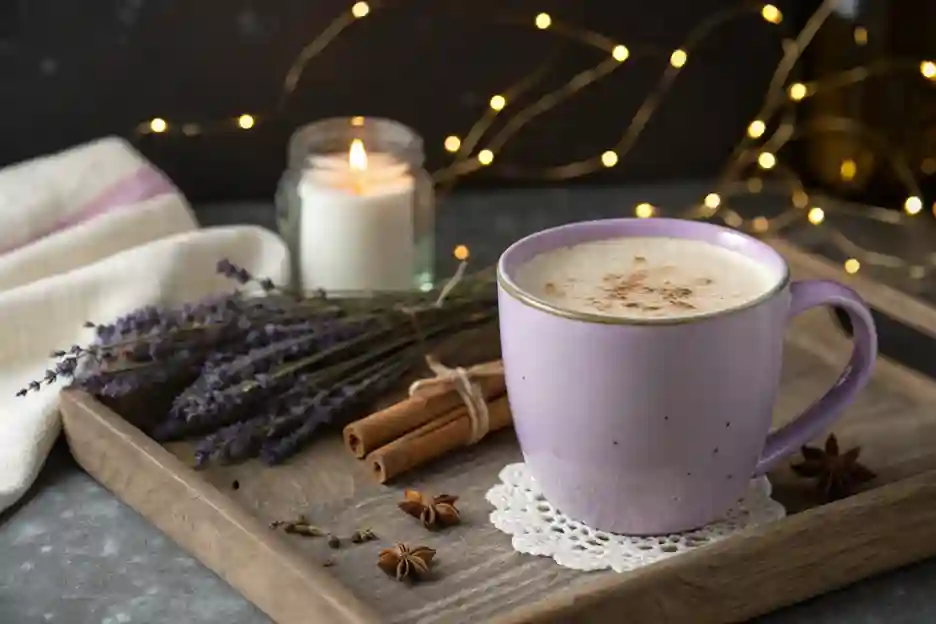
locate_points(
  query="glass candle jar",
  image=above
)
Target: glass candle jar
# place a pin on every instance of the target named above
(357, 208)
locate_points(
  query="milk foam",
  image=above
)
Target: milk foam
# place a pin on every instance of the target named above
(645, 278)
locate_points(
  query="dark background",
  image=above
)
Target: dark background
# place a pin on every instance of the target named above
(897, 107)
(72, 71)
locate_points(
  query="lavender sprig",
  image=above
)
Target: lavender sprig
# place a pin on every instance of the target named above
(342, 404)
(195, 412)
(262, 359)
(283, 414)
(125, 381)
(263, 369)
(288, 411)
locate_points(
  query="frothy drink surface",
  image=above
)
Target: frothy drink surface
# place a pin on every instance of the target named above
(645, 278)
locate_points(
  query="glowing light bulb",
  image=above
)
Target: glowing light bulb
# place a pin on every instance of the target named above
(357, 155)
(861, 35)
(609, 159)
(852, 266)
(772, 14)
(461, 252)
(543, 21)
(816, 215)
(498, 102)
(766, 160)
(485, 157)
(678, 58)
(733, 219)
(644, 210)
(797, 91)
(452, 143)
(158, 125)
(800, 199)
(712, 200)
(928, 69)
(760, 224)
(360, 9)
(357, 122)
(756, 129)
(620, 53)
(913, 205)
(848, 169)
(246, 122)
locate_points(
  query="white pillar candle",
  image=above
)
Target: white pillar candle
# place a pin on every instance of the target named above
(356, 226)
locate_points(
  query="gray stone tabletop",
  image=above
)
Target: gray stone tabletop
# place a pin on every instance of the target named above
(71, 553)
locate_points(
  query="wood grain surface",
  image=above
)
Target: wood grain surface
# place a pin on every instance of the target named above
(221, 515)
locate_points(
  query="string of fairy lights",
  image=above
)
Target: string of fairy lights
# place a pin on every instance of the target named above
(756, 151)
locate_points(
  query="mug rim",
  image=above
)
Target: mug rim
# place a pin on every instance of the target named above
(511, 288)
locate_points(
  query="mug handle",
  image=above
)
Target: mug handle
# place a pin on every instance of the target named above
(818, 416)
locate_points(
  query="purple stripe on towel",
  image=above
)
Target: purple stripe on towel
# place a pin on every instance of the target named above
(143, 184)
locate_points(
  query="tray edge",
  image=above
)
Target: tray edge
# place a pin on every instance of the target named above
(607, 597)
(684, 588)
(91, 429)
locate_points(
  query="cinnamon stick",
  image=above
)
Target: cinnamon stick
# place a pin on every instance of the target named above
(370, 433)
(432, 440)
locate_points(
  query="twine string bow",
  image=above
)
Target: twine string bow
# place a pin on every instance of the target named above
(463, 381)
(451, 284)
(447, 289)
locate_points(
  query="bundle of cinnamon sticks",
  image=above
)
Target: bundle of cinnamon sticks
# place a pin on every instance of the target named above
(434, 420)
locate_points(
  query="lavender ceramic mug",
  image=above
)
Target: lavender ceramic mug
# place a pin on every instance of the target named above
(654, 427)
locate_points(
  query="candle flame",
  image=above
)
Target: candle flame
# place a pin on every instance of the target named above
(357, 156)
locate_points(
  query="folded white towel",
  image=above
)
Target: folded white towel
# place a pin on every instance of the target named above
(90, 234)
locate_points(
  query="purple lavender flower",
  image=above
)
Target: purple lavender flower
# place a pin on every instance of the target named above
(123, 381)
(139, 321)
(210, 410)
(262, 372)
(229, 269)
(242, 441)
(200, 401)
(340, 405)
(223, 444)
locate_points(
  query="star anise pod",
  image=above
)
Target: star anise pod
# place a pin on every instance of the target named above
(837, 474)
(405, 563)
(433, 512)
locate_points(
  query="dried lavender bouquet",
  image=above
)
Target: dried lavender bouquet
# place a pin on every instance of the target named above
(262, 369)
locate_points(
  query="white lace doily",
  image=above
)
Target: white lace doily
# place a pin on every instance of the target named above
(537, 528)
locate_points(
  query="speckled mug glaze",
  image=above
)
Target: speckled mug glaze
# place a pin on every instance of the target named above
(655, 426)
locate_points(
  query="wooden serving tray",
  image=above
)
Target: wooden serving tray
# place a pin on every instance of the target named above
(221, 515)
